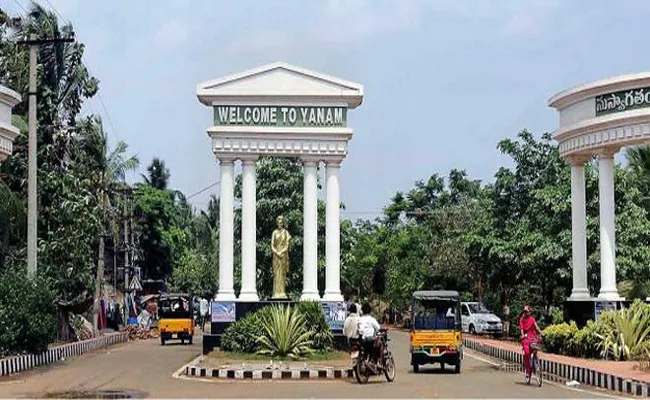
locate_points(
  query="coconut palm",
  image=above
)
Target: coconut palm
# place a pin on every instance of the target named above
(110, 168)
(157, 174)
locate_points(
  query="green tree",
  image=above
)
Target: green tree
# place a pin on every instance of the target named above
(108, 170)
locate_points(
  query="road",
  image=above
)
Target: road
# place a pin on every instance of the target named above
(146, 368)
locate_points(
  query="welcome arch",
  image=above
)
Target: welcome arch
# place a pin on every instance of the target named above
(286, 111)
(598, 119)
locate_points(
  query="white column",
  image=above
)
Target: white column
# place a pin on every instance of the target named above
(608, 290)
(332, 234)
(249, 232)
(578, 229)
(310, 232)
(226, 231)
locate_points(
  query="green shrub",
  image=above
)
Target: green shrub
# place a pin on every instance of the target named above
(284, 333)
(625, 332)
(558, 338)
(241, 336)
(27, 322)
(586, 342)
(321, 335)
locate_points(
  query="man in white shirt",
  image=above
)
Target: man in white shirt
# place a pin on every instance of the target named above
(368, 328)
(204, 308)
(351, 324)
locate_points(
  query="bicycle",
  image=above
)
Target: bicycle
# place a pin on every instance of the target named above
(535, 365)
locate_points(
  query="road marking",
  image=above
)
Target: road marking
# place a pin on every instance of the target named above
(485, 360)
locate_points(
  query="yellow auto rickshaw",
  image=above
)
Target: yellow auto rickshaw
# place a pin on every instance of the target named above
(436, 329)
(176, 313)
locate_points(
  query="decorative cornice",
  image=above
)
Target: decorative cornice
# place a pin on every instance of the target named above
(239, 148)
(9, 97)
(614, 138)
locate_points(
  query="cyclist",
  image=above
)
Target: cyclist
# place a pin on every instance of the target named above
(529, 330)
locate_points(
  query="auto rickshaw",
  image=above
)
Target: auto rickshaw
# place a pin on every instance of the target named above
(176, 313)
(436, 329)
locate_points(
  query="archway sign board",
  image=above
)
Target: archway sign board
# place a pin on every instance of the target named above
(285, 111)
(598, 119)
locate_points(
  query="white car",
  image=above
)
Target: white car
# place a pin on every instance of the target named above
(477, 319)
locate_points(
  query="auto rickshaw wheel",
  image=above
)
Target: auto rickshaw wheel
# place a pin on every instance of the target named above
(442, 365)
(416, 368)
(162, 341)
(190, 340)
(457, 368)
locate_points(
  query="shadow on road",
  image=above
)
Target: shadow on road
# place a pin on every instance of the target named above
(433, 371)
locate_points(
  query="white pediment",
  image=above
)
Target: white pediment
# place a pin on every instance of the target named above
(280, 82)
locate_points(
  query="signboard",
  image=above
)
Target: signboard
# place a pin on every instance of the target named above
(135, 284)
(603, 306)
(335, 313)
(223, 311)
(281, 116)
(625, 100)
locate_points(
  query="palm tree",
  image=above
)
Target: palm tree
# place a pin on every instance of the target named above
(64, 80)
(112, 167)
(158, 174)
(638, 159)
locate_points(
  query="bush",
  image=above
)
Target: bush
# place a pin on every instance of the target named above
(321, 335)
(284, 333)
(27, 322)
(241, 336)
(558, 338)
(586, 341)
(619, 335)
(626, 332)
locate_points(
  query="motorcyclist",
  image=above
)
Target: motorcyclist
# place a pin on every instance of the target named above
(368, 329)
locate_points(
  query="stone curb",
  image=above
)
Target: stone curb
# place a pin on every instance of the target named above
(263, 374)
(14, 365)
(557, 371)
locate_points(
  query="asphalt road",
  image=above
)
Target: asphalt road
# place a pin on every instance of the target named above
(145, 369)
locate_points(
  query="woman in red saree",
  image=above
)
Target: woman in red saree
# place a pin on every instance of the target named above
(529, 330)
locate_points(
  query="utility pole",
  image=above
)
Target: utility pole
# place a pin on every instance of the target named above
(32, 166)
(126, 243)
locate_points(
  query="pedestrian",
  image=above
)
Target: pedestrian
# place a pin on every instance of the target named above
(204, 308)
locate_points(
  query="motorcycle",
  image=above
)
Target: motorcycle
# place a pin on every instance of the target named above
(363, 364)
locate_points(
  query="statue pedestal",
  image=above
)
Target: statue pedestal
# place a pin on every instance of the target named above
(280, 300)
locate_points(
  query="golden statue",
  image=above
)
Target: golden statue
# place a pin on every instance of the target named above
(280, 240)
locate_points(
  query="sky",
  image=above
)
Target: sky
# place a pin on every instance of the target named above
(444, 81)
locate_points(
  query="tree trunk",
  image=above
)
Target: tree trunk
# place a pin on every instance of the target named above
(479, 289)
(63, 329)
